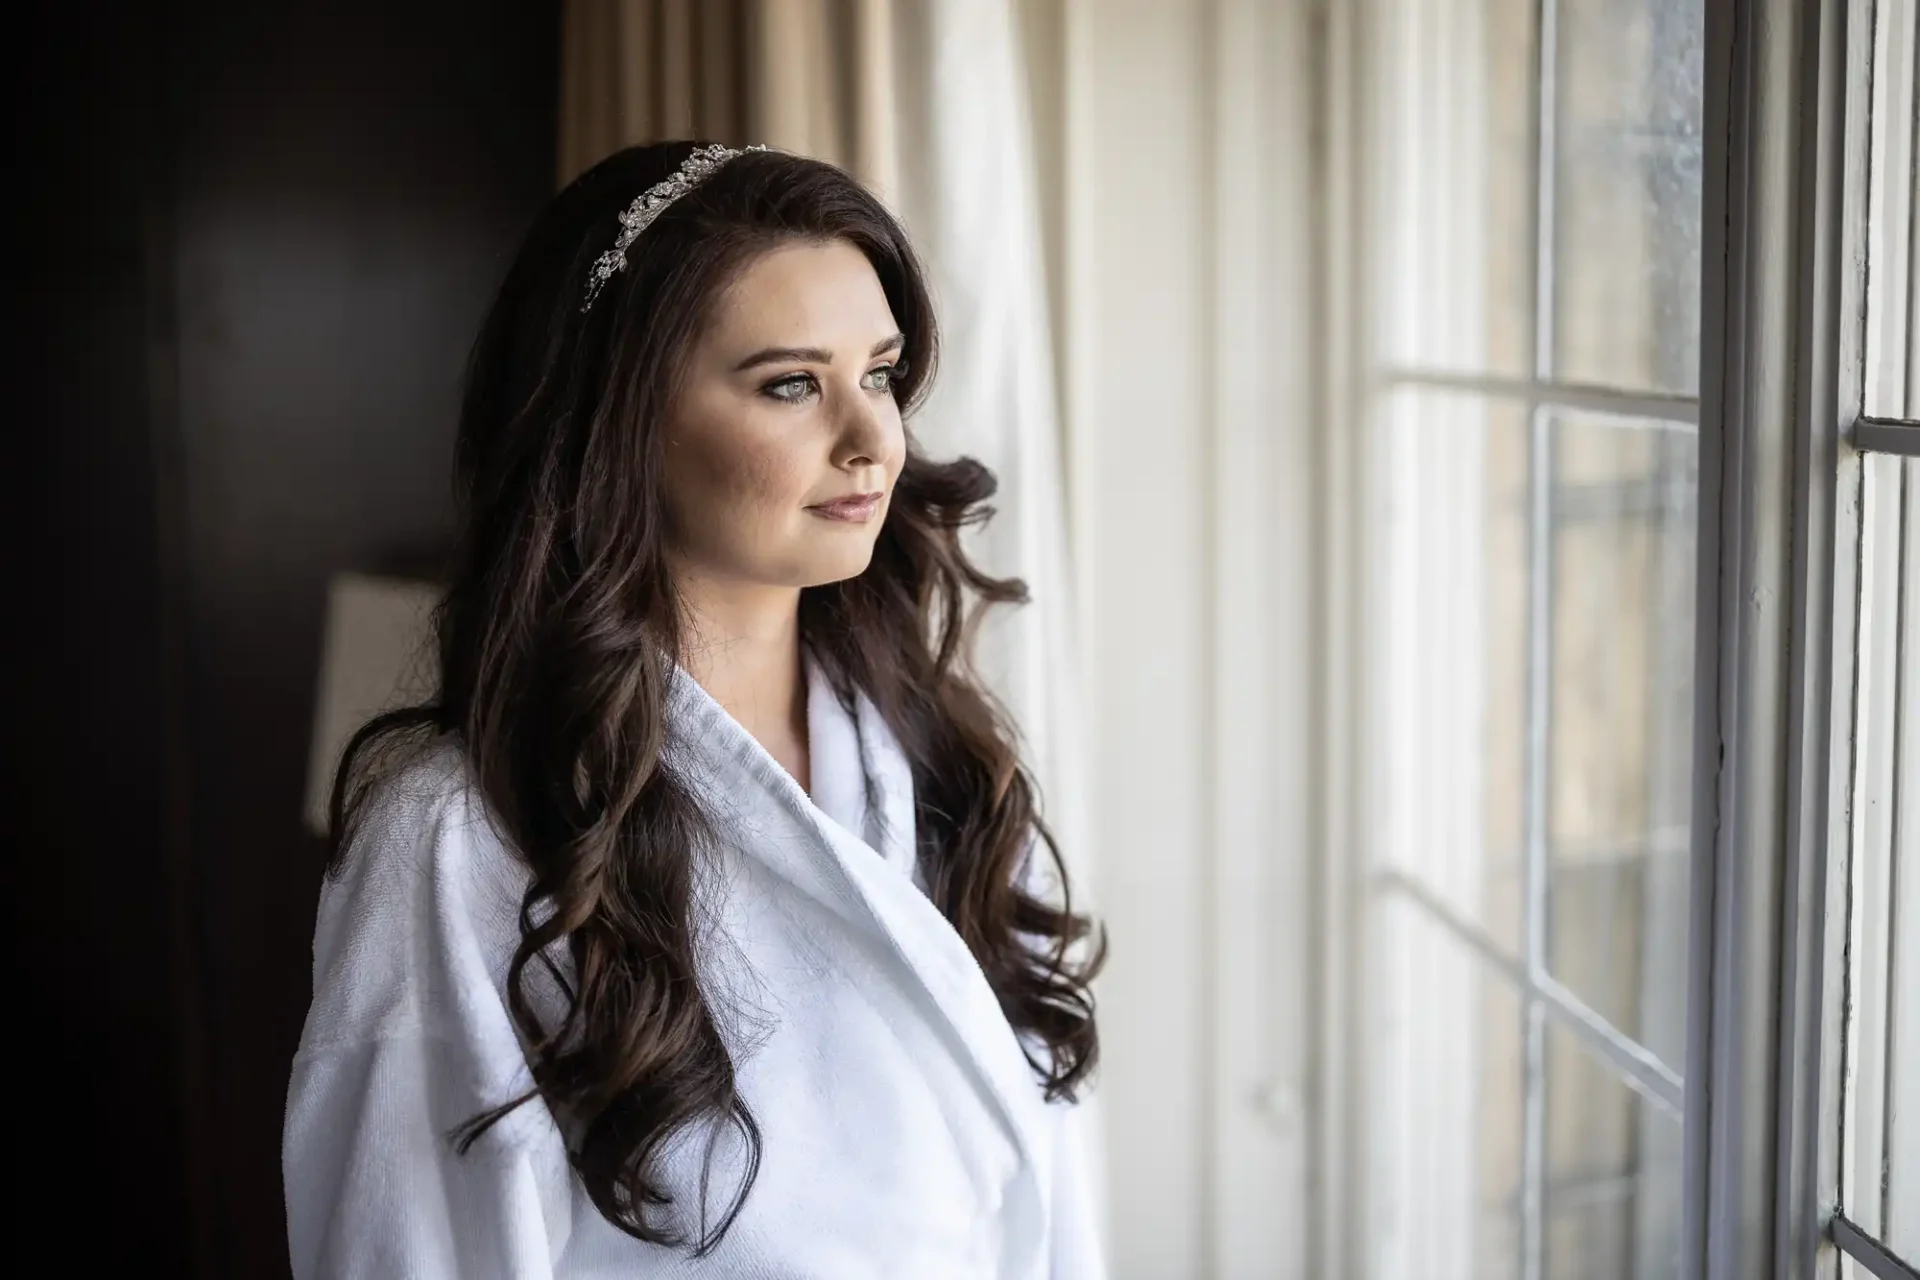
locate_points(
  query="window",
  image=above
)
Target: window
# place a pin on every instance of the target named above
(1540, 200)
(1638, 512)
(1534, 334)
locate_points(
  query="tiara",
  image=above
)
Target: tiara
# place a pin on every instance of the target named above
(649, 205)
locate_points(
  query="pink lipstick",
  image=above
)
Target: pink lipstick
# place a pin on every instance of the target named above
(853, 509)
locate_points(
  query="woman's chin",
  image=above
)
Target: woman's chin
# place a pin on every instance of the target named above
(838, 565)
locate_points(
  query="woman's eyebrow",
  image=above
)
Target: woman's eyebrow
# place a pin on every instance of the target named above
(811, 355)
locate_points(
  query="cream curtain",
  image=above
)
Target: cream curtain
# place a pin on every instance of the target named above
(808, 76)
(966, 187)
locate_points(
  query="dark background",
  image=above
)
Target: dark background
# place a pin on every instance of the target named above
(256, 241)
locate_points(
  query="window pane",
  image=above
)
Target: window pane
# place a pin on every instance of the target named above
(1620, 706)
(1613, 1190)
(1447, 1119)
(1454, 641)
(1627, 191)
(1456, 184)
(1880, 1176)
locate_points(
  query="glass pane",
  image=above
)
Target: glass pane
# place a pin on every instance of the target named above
(1456, 184)
(1627, 191)
(1880, 1176)
(1893, 230)
(1620, 737)
(1613, 1173)
(1447, 1119)
(1454, 652)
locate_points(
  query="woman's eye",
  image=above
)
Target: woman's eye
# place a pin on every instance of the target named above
(793, 390)
(883, 378)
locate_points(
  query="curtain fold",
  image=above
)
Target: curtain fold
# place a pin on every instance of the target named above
(967, 189)
(815, 77)
(640, 70)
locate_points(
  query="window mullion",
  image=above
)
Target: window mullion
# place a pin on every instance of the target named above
(1887, 435)
(1681, 412)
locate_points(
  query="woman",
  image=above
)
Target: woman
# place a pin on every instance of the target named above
(697, 929)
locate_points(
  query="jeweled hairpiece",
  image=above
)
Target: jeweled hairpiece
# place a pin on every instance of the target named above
(650, 204)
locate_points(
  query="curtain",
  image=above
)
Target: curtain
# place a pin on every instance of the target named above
(966, 188)
(813, 77)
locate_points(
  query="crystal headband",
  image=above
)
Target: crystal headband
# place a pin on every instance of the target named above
(649, 205)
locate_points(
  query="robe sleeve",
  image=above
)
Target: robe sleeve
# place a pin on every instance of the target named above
(408, 1037)
(374, 1191)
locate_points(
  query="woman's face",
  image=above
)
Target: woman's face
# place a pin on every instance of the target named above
(783, 447)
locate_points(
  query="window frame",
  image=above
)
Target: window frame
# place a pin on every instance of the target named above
(1790, 200)
(1774, 341)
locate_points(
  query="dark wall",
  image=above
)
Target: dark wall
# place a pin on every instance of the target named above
(262, 237)
(102, 1037)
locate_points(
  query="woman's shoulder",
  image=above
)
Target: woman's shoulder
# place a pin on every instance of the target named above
(422, 818)
(421, 914)
(421, 810)
(417, 782)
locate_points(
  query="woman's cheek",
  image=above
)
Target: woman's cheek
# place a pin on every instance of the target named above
(773, 478)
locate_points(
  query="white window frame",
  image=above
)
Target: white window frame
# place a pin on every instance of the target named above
(1785, 383)
(1867, 965)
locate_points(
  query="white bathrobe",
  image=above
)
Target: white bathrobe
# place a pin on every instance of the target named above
(904, 1135)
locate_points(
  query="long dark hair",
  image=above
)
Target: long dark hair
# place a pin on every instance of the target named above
(557, 639)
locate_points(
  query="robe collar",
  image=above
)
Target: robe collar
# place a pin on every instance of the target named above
(823, 851)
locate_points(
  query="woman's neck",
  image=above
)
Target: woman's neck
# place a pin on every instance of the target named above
(743, 648)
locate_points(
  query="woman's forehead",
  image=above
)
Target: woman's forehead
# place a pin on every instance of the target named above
(805, 294)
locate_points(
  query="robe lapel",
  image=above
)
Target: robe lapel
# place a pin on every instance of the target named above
(834, 747)
(822, 857)
(893, 815)
(861, 778)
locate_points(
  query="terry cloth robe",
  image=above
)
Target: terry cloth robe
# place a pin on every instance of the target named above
(905, 1137)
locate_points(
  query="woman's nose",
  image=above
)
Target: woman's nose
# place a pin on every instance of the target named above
(863, 433)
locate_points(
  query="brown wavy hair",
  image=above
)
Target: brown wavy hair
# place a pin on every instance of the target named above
(557, 639)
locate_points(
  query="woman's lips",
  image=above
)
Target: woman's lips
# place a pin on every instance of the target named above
(853, 510)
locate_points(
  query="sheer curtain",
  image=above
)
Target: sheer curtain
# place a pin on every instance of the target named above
(967, 190)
